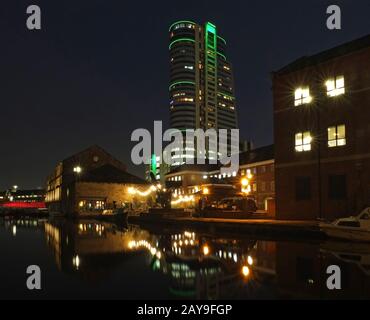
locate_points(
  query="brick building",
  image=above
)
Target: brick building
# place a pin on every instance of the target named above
(257, 165)
(260, 164)
(322, 132)
(90, 182)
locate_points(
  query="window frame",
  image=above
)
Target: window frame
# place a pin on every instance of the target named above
(337, 139)
(336, 90)
(302, 99)
(304, 146)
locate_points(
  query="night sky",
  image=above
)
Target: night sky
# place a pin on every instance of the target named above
(99, 69)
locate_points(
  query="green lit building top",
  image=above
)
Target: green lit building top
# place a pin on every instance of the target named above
(201, 79)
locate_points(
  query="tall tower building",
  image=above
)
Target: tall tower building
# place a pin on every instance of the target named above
(201, 79)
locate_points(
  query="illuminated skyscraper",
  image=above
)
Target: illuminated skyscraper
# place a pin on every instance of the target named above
(201, 79)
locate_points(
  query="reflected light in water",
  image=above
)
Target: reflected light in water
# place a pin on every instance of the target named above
(208, 266)
(131, 244)
(144, 244)
(76, 261)
(245, 271)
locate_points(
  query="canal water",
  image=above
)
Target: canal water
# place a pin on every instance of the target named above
(98, 260)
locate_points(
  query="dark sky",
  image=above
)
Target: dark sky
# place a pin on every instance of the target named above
(98, 69)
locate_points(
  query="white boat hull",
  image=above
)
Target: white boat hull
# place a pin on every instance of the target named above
(346, 233)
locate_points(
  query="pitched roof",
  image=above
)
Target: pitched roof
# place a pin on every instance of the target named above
(257, 155)
(110, 174)
(341, 50)
(93, 147)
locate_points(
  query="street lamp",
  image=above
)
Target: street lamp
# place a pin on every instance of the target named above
(245, 271)
(77, 169)
(245, 182)
(246, 188)
(250, 260)
(206, 250)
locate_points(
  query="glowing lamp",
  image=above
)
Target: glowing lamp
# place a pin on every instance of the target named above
(245, 271)
(206, 250)
(244, 182)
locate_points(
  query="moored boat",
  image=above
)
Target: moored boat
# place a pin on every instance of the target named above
(352, 228)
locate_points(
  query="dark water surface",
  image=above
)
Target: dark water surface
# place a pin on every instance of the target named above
(90, 259)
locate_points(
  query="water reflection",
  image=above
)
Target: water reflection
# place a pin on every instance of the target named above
(90, 249)
(197, 265)
(13, 225)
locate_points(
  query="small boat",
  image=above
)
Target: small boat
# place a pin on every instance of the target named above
(352, 228)
(114, 215)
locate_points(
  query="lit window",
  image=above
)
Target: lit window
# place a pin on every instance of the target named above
(249, 174)
(185, 100)
(303, 141)
(302, 96)
(335, 86)
(337, 136)
(180, 94)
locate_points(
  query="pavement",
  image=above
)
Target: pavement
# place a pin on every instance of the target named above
(269, 228)
(256, 222)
